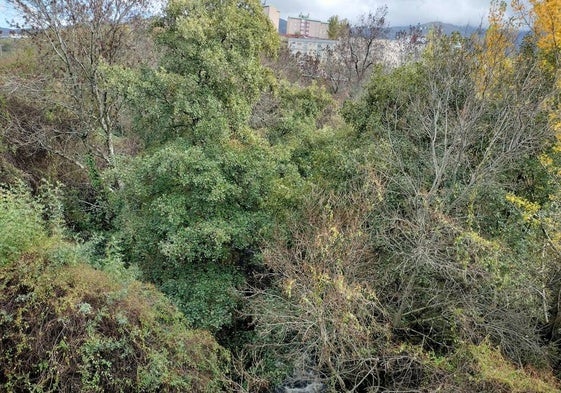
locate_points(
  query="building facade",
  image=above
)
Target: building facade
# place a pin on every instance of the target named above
(273, 14)
(313, 47)
(305, 27)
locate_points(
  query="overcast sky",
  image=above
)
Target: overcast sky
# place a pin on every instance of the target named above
(5, 14)
(400, 12)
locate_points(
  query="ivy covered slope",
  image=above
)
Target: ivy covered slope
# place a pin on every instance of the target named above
(67, 327)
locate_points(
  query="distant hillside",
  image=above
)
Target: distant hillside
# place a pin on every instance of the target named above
(447, 29)
(5, 32)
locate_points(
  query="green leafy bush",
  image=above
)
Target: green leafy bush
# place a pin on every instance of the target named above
(21, 224)
(207, 294)
(196, 212)
(186, 204)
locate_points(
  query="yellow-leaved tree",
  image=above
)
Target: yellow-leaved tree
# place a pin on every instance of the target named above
(544, 217)
(544, 18)
(547, 26)
(495, 51)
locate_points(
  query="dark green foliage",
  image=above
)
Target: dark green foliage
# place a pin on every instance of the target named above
(207, 295)
(194, 204)
(204, 190)
(188, 214)
(187, 204)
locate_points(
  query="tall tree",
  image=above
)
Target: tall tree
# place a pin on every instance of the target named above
(357, 51)
(335, 27)
(193, 204)
(78, 38)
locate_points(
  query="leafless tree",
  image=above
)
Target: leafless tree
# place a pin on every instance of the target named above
(450, 147)
(77, 39)
(327, 318)
(359, 48)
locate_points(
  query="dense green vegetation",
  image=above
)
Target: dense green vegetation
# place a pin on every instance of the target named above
(69, 327)
(182, 211)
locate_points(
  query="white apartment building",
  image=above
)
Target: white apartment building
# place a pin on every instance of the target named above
(314, 47)
(305, 27)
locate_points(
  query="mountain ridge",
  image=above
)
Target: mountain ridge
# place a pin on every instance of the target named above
(447, 28)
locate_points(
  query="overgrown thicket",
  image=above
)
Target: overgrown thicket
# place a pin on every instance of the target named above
(403, 236)
(68, 327)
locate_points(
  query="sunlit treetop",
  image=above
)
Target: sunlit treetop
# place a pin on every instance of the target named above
(545, 19)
